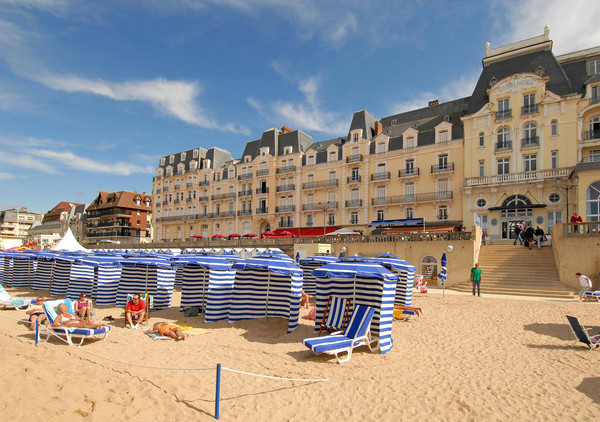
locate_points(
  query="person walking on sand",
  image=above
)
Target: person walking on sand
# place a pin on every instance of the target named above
(586, 284)
(476, 279)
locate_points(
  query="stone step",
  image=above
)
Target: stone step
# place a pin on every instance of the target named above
(487, 289)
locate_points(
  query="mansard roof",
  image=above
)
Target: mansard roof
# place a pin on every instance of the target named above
(363, 120)
(276, 141)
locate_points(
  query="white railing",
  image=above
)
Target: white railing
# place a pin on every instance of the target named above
(518, 177)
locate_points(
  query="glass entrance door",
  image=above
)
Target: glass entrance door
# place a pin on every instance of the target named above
(508, 228)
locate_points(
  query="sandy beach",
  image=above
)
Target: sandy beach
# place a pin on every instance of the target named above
(466, 358)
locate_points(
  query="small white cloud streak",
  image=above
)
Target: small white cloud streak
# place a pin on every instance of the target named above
(6, 176)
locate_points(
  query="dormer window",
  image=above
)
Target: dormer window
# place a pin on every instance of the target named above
(288, 150)
(310, 160)
(195, 153)
(381, 147)
(416, 125)
(393, 122)
(443, 137)
(493, 82)
(264, 151)
(162, 161)
(595, 93)
(183, 156)
(355, 137)
(540, 71)
(171, 159)
(332, 156)
(409, 142)
(593, 67)
(247, 158)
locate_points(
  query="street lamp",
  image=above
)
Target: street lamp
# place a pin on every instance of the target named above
(569, 184)
(324, 207)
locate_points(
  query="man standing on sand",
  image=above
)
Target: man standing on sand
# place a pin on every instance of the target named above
(586, 284)
(476, 279)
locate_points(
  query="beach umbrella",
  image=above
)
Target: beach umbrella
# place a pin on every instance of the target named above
(232, 235)
(284, 233)
(443, 273)
(341, 254)
(250, 235)
(218, 236)
(197, 236)
(268, 233)
(297, 257)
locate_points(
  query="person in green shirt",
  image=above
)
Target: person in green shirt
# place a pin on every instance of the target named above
(476, 279)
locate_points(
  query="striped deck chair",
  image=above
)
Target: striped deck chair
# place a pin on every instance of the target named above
(581, 334)
(69, 333)
(336, 314)
(356, 334)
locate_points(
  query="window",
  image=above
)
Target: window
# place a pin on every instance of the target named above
(381, 168)
(554, 217)
(443, 162)
(594, 128)
(503, 109)
(309, 221)
(162, 161)
(381, 147)
(554, 127)
(333, 156)
(554, 159)
(380, 215)
(442, 213)
(442, 185)
(595, 155)
(530, 162)
(481, 202)
(554, 197)
(195, 155)
(410, 142)
(331, 219)
(529, 105)
(409, 191)
(481, 168)
(393, 122)
(332, 175)
(355, 175)
(409, 166)
(530, 133)
(503, 165)
(355, 137)
(354, 194)
(354, 217)
(593, 67)
(183, 156)
(171, 159)
(595, 93)
(481, 140)
(503, 138)
(380, 192)
(443, 137)
(310, 160)
(409, 213)
(593, 202)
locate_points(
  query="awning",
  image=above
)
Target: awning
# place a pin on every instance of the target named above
(396, 223)
(428, 229)
(516, 208)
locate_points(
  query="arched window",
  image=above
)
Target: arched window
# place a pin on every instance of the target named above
(554, 127)
(593, 202)
(481, 139)
(517, 201)
(429, 268)
(594, 132)
(503, 137)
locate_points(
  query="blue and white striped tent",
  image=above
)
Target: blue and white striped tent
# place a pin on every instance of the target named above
(97, 276)
(308, 264)
(266, 287)
(406, 273)
(43, 272)
(61, 274)
(154, 276)
(366, 283)
(207, 284)
(23, 270)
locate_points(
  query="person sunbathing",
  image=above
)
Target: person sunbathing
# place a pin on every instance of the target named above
(67, 319)
(36, 312)
(169, 330)
(83, 307)
(414, 309)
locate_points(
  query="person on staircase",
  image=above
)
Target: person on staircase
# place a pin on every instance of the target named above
(518, 234)
(539, 236)
(529, 234)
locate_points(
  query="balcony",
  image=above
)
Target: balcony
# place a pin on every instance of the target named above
(354, 203)
(105, 223)
(504, 114)
(165, 189)
(244, 193)
(227, 214)
(288, 169)
(503, 146)
(320, 184)
(262, 190)
(354, 158)
(157, 191)
(413, 172)
(177, 187)
(285, 208)
(442, 168)
(262, 210)
(382, 175)
(189, 184)
(245, 176)
(528, 176)
(530, 142)
(262, 172)
(203, 198)
(530, 109)
(286, 188)
(413, 198)
(114, 233)
(188, 200)
(285, 224)
(203, 183)
(588, 135)
(165, 202)
(242, 213)
(320, 206)
(104, 213)
(220, 196)
(176, 201)
(353, 179)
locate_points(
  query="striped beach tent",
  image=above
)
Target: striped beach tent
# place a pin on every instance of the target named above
(366, 283)
(97, 276)
(207, 284)
(154, 276)
(308, 264)
(61, 273)
(266, 287)
(23, 270)
(43, 273)
(7, 272)
(406, 273)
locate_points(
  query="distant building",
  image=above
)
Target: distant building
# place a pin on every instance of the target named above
(119, 217)
(14, 226)
(55, 223)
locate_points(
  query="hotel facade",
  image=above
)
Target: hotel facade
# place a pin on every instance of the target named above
(523, 147)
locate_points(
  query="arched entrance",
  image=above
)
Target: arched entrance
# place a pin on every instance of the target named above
(515, 209)
(429, 269)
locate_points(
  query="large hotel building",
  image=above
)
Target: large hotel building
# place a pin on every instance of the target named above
(524, 147)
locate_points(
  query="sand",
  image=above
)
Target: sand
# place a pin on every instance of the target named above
(467, 358)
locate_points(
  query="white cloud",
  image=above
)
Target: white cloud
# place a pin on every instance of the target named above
(6, 176)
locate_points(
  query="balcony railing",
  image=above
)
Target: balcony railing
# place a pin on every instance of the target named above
(262, 210)
(262, 172)
(165, 202)
(110, 224)
(504, 114)
(262, 190)
(189, 184)
(382, 175)
(244, 212)
(288, 169)
(177, 187)
(504, 146)
(532, 141)
(353, 179)
(442, 168)
(245, 176)
(156, 191)
(220, 196)
(409, 172)
(285, 208)
(285, 224)
(320, 206)
(518, 177)
(244, 193)
(203, 183)
(320, 184)
(591, 134)
(354, 158)
(203, 198)
(103, 213)
(530, 109)
(165, 189)
(188, 200)
(286, 188)
(354, 203)
(176, 201)
(412, 198)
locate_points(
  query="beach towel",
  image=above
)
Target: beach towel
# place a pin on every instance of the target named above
(156, 336)
(192, 331)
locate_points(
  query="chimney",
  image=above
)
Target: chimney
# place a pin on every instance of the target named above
(285, 129)
(434, 102)
(378, 128)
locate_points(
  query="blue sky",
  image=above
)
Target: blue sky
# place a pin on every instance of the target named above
(93, 93)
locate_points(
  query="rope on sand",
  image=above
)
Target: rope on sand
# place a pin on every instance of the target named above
(275, 378)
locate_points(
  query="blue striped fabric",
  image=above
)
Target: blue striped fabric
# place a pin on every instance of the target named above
(106, 285)
(8, 271)
(60, 277)
(207, 289)
(260, 292)
(43, 274)
(336, 312)
(308, 264)
(406, 272)
(23, 274)
(165, 280)
(178, 276)
(374, 287)
(136, 279)
(81, 280)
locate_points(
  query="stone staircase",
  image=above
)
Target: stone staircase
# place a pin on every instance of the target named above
(516, 270)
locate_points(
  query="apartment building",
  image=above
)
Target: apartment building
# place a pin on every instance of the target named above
(531, 138)
(56, 222)
(14, 224)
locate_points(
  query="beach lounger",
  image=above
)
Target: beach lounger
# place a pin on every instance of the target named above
(593, 295)
(336, 314)
(69, 333)
(581, 334)
(356, 334)
(18, 303)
